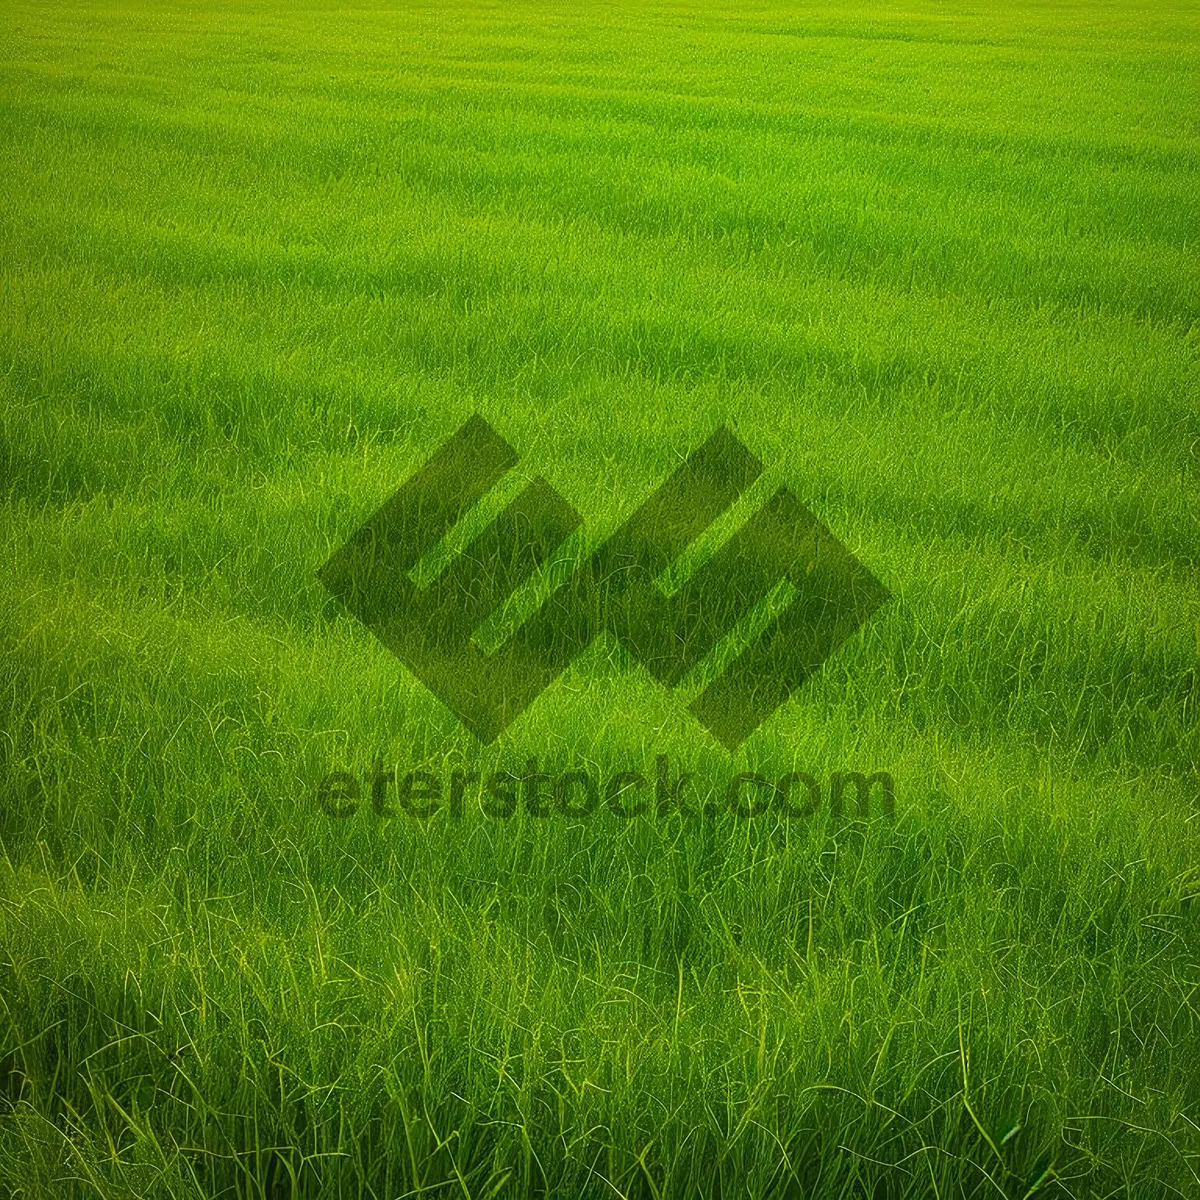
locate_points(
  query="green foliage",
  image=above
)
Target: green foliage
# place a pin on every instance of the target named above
(936, 267)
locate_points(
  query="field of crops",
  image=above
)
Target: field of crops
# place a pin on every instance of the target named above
(934, 266)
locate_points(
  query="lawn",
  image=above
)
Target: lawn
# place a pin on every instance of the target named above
(934, 266)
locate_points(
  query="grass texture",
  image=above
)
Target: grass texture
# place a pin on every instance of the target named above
(935, 265)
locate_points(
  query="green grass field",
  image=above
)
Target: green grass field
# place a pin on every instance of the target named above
(937, 266)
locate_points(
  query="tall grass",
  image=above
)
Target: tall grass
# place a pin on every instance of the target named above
(935, 266)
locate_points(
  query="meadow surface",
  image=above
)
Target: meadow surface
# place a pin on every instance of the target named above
(935, 265)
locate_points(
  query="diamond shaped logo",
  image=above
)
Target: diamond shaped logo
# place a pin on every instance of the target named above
(432, 629)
